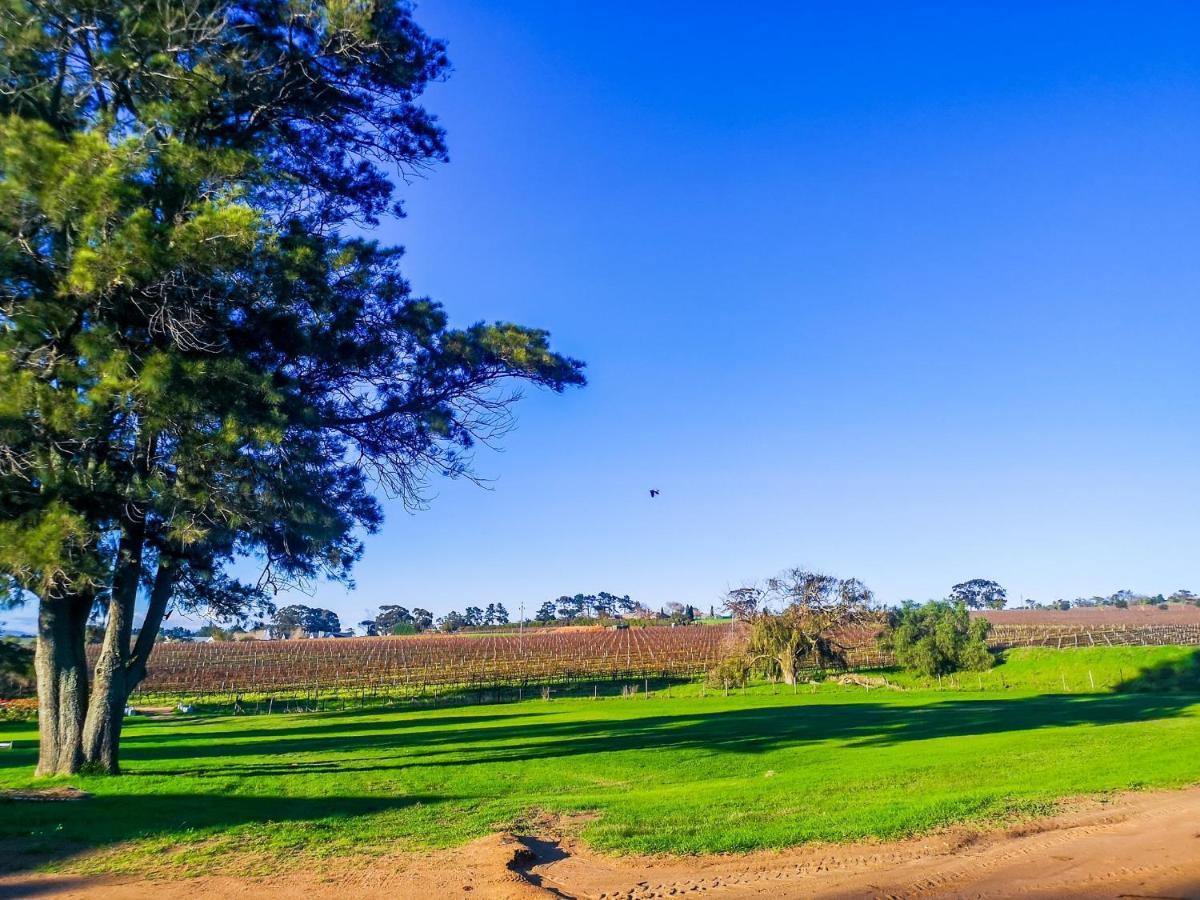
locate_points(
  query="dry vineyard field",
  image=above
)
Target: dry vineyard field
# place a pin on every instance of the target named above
(429, 666)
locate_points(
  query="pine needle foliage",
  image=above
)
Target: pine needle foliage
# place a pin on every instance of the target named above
(201, 359)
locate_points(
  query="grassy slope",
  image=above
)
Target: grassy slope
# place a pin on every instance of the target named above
(685, 774)
(1067, 671)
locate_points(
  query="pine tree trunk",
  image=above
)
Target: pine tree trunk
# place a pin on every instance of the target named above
(105, 713)
(62, 683)
(119, 670)
(106, 709)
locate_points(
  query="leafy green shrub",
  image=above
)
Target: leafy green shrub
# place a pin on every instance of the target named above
(733, 671)
(937, 638)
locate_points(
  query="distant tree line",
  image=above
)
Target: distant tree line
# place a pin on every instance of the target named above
(582, 609)
(1123, 599)
(234, 632)
(492, 616)
(298, 620)
(393, 619)
(586, 606)
(982, 593)
(294, 621)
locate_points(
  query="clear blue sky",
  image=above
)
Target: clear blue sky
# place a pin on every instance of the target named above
(903, 291)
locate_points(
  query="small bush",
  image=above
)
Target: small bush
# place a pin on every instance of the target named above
(937, 638)
(23, 709)
(733, 671)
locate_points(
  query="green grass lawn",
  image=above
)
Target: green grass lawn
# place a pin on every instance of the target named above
(685, 774)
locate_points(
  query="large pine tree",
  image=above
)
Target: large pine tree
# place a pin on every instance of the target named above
(198, 363)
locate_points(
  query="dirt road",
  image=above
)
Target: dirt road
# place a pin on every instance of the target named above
(1138, 845)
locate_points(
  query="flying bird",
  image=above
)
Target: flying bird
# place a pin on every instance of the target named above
(653, 493)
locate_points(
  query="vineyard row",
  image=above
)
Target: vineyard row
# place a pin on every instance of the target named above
(417, 666)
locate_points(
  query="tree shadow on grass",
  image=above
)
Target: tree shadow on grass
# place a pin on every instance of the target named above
(34, 834)
(312, 724)
(532, 732)
(748, 730)
(1169, 677)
